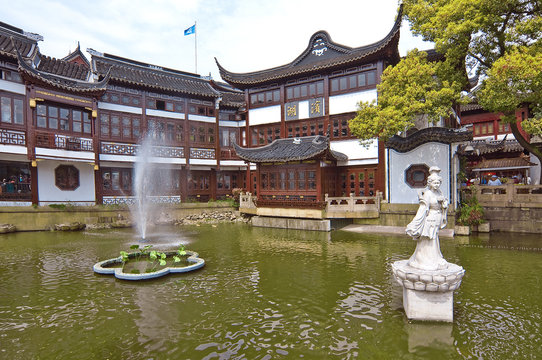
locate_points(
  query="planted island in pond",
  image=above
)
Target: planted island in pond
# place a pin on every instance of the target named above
(145, 263)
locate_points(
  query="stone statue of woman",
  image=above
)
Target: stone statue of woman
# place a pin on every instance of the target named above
(424, 228)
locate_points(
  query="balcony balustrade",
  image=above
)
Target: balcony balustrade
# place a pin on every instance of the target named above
(12, 137)
(55, 141)
(114, 148)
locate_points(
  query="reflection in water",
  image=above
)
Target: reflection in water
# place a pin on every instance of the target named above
(428, 335)
(263, 294)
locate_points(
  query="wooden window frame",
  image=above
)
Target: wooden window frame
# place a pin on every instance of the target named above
(12, 113)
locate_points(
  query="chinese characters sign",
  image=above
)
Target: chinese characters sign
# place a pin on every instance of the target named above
(304, 109)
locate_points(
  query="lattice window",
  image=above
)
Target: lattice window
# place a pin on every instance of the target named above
(67, 177)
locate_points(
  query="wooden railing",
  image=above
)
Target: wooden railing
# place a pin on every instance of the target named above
(55, 141)
(506, 195)
(228, 154)
(353, 203)
(114, 148)
(201, 153)
(11, 137)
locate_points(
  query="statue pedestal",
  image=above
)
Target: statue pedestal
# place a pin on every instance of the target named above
(428, 294)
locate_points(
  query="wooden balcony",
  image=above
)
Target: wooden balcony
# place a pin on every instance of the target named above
(55, 141)
(12, 137)
(114, 148)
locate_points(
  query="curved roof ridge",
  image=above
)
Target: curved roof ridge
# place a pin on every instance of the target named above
(62, 82)
(289, 149)
(343, 55)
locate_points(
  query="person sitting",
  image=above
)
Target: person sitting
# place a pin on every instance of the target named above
(495, 181)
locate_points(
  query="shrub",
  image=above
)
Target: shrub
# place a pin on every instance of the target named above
(470, 213)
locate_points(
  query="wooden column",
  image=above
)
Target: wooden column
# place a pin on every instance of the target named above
(326, 105)
(283, 133)
(319, 170)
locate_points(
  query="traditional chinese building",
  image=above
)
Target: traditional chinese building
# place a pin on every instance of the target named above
(315, 95)
(71, 128)
(48, 108)
(194, 123)
(494, 149)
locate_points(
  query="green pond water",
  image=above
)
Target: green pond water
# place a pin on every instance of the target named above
(263, 294)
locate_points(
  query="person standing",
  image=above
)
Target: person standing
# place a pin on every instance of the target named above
(495, 181)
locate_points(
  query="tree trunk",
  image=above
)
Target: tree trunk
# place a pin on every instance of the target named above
(526, 145)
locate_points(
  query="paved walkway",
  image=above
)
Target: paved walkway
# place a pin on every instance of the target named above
(380, 229)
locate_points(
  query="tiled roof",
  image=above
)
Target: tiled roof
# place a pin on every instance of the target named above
(321, 53)
(47, 79)
(290, 149)
(131, 72)
(430, 134)
(502, 164)
(12, 38)
(230, 97)
(77, 54)
(470, 107)
(482, 147)
(63, 68)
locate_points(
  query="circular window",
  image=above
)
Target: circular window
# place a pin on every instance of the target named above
(416, 175)
(67, 177)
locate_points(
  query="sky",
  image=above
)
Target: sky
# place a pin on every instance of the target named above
(244, 35)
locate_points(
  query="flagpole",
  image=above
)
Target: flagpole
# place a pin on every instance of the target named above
(196, 46)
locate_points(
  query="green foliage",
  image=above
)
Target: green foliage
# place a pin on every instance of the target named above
(473, 34)
(57, 206)
(412, 88)
(124, 256)
(180, 252)
(514, 80)
(470, 213)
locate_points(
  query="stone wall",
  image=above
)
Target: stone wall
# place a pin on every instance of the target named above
(514, 219)
(44, 218)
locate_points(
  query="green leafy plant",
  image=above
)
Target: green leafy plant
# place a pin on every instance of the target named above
(156, 258)
(470, 213)
(180, 252)
(124, 257)
(140, 251)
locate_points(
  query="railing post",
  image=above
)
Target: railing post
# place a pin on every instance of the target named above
(510, 192)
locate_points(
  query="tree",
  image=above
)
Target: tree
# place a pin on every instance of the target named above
(412, 88)
(475, 37)
(513, 81)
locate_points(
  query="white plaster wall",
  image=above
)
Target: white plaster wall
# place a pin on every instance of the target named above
(355, 151)
(230, 123)
(207, 119)
(163, 113)
(349, 102)
(48, 192)
(121, 108)
(265, 115)
(430, 154)
(13, 149)
(12, 87)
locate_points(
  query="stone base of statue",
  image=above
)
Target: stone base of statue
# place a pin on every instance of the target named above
(428, 294)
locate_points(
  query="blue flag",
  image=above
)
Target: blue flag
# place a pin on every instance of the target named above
(190, 30)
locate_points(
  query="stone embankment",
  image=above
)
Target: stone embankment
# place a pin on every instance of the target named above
(212, 217)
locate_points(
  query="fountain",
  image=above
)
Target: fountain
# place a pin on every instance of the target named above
(142, 185)
(428, 280)
(144, 181)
